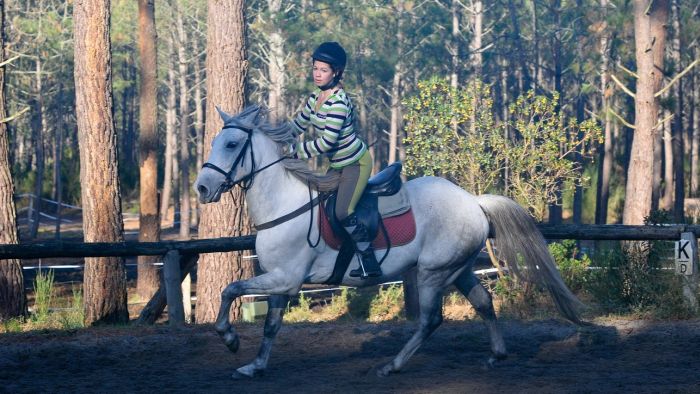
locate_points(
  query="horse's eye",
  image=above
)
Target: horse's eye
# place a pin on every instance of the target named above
(231, 145)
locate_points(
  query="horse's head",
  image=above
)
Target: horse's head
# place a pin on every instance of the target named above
(231, 157)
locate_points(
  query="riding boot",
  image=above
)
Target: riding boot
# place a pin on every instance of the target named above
(369, 267)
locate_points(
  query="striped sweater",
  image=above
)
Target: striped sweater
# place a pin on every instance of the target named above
(333, 128)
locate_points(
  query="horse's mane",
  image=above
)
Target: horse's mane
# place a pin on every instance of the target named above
(255, 117)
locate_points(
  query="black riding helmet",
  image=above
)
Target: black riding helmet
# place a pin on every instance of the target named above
(333, 54)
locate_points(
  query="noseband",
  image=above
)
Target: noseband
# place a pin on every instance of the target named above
(247, 180)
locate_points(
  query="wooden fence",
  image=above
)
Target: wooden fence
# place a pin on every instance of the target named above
(181, 256)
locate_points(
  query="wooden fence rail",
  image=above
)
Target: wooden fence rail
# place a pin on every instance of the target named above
(181, 256)
(134, 248)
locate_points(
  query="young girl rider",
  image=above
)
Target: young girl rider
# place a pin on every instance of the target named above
(329, 114)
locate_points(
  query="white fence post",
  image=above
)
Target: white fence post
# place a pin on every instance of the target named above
(173, 291)
(686, 256)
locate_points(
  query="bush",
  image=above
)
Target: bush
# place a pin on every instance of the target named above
(43, 295)
(574, 269)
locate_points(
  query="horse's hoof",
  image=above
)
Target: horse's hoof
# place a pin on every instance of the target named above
(242, 374)
(493, 361)
(386, 370)
(231, 340)
(222, 328)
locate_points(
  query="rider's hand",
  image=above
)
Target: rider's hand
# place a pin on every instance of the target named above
(290, 151)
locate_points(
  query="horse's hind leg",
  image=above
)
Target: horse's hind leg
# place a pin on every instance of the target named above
(430, 301)
(275, 310)
(470, 286)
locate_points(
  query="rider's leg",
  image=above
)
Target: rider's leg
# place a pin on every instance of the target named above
(353, 180)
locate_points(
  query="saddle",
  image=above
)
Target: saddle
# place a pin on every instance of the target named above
(384, 206)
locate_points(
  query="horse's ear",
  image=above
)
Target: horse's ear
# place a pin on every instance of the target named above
(250, 114)
(224, 116)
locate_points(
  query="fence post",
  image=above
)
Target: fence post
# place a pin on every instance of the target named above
(173, 291)
(690, 282)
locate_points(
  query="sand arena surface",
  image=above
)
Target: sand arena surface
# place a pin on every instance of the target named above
(544, 357)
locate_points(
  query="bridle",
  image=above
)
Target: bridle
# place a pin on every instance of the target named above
(247, 180)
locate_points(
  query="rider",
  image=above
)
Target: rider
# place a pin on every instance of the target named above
(330, 112)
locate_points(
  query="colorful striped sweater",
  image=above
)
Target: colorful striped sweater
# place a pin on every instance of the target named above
(333, 128)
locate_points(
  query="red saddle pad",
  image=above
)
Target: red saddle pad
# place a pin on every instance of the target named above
(401, 230)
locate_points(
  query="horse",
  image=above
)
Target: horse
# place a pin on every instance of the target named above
(452, 227)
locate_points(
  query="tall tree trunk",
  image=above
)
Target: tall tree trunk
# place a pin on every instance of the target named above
(396, 85)
(170, 121)
(669, 160)
(38, 124)
(606, 153)
(105, 278)
(658, 171)
(678, 147)
(57, 158)
(517, 41)
(148, 278)
(184, 128)
(694, 125)
(649, 37)
(477, 22)
(226, 66)
(276, 65)
(555, 209)
(198, 116)
(13, 301)
(453, 44)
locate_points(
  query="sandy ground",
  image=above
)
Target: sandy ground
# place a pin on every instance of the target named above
(545, 357)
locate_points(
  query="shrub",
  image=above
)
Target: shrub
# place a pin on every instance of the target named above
(43, 295)
(574, 269)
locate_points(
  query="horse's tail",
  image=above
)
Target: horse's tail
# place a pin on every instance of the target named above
(521, 244)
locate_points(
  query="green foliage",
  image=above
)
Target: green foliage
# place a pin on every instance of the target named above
(451, 133)
(301, 312)
(542, 150)
(574, 269)
(388, 304)
(43, 295)
(74, 317)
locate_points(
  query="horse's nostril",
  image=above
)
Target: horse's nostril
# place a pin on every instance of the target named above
(203, 191)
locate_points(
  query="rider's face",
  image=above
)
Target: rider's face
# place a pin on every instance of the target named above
(323, 73)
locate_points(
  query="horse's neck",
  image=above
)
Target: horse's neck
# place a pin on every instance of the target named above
(274, 192)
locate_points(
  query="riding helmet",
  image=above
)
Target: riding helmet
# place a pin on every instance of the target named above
(333, 54)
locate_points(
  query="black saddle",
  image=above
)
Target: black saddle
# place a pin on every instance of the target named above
(386, 183)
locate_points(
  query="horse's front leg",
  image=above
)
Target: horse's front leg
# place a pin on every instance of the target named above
(276, 282)
(276, 304)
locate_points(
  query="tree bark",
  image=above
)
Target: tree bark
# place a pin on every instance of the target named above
(105, 278)
(677, 146)
(148, 278)
(13, 301)
(694, 124)
(198, 116)
(650, 40)
(668, 163)
(226, 67)
(396, 85)
(170, 146)
(38, 125)
(520, 51)
(605, 160)
(184, 128)
(276, 65)
(477, 22)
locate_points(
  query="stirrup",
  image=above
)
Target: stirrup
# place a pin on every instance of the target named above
(362, 271)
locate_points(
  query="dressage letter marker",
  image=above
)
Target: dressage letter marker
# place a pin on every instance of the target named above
(685, 254)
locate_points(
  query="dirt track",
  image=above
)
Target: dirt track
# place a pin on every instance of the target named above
(545, 356)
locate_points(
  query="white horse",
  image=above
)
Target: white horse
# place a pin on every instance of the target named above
(451, 228)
